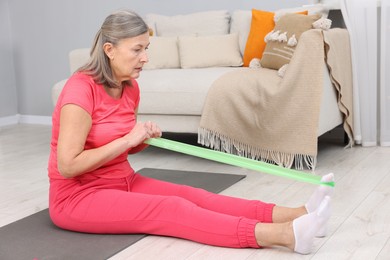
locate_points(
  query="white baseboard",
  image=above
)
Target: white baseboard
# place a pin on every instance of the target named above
(385, 144)
(25, 119)
(9, 120)
(39, 120)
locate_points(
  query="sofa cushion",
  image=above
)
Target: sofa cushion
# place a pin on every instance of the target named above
(177, 91)
(163, 53)
(261, 24)
(209, 51)
(280, 49)
(241, 24)
(194, 24)
(311, 9)
(241, 20)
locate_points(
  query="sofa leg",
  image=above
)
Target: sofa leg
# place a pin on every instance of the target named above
(346, 138)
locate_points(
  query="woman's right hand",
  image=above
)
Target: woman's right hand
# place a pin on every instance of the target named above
(141, 132)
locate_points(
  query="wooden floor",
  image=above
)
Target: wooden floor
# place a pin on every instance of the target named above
(358, 229)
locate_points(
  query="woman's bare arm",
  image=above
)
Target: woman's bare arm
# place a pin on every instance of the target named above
(73, 160)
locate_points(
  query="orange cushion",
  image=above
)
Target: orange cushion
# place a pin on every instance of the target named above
(262, 23)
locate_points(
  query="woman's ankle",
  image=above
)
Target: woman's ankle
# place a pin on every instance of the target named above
(275, 234)
(284, 214)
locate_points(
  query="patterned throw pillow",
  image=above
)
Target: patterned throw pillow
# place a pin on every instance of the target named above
(262, 23)
(282, 40)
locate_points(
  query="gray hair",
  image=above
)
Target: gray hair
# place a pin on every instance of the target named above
(119, 25)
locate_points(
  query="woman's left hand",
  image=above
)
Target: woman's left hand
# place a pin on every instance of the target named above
(152, 129)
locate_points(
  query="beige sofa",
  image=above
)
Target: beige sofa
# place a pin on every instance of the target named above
(183, 66)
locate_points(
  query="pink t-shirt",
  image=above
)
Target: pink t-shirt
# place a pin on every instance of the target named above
(111, 119)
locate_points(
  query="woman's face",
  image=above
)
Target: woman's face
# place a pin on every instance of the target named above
(128, 57)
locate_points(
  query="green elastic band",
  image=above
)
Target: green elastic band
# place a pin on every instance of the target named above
(236, 161)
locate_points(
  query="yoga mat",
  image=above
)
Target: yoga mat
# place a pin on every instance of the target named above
(236, 161)
(35, 237)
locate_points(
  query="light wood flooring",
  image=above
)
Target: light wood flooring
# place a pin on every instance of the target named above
(358, 229)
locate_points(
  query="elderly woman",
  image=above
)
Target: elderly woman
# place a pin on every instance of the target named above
(94, 189)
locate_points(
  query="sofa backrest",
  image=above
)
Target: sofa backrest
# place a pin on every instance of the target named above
(209, 23)
(77, 58)
(194, 24)
(241, 24)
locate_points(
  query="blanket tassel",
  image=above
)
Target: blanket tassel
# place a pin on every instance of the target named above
(222, 143)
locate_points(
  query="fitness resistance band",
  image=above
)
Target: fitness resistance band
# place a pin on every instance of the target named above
(236, 160)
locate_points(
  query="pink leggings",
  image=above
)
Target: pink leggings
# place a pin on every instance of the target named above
(138, 204)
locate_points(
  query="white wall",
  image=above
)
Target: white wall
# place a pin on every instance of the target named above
(44, 31)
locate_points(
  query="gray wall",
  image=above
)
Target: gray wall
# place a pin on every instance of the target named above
(41, 33)
(8, 98)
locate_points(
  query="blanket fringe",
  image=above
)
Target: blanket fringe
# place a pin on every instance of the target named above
(222, 143)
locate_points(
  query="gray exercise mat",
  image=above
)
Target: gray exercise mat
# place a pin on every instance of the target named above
(35, 237)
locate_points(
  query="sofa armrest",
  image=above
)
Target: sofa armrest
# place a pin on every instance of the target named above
(56, 90)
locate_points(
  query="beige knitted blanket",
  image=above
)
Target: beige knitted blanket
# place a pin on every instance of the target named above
(259, 115)
(338, 59)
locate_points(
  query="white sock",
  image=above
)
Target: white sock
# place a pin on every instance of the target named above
(306, 227)
(317, 197)
(323, 230)
(319, 194)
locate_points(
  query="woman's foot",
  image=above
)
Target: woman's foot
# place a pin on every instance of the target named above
(307, 226)
(317, 197)
(319, 194)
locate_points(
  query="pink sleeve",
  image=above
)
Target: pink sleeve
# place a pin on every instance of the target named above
(78, 90)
